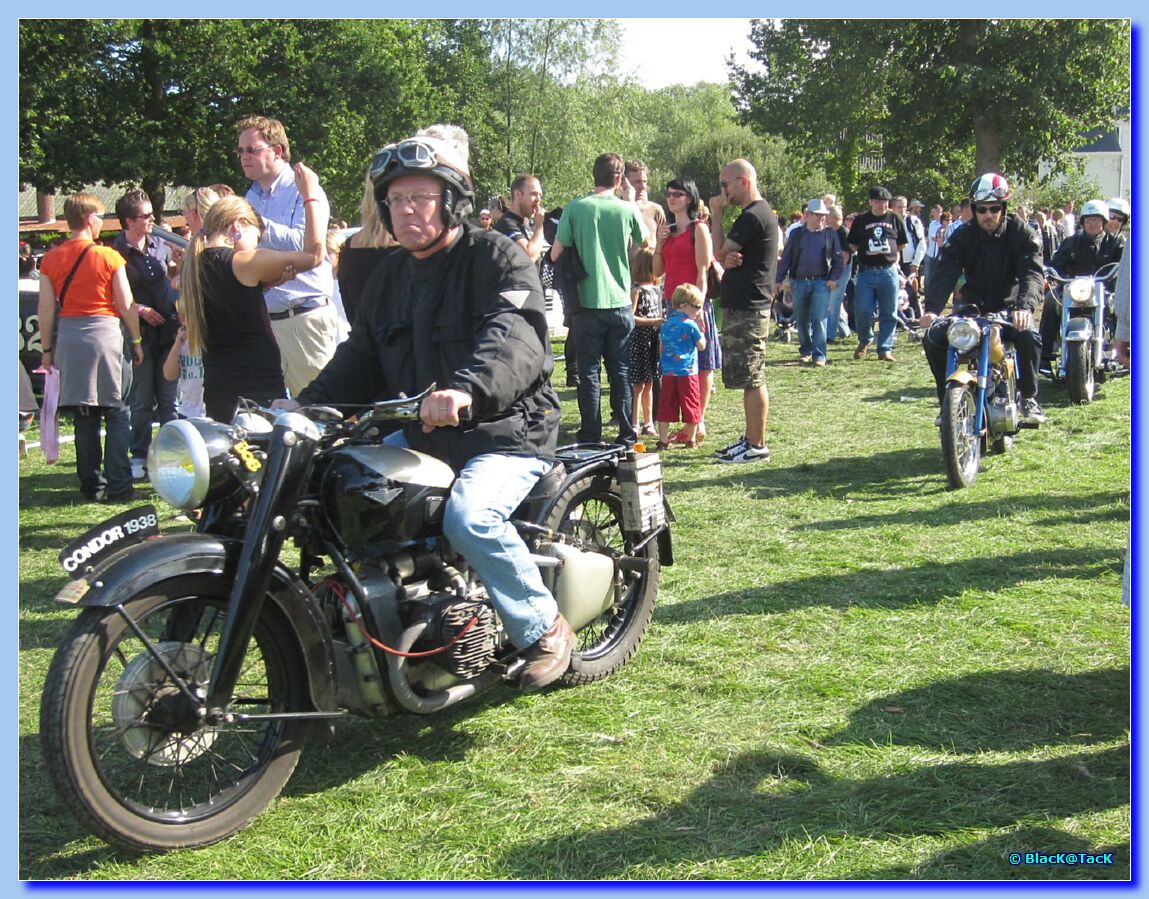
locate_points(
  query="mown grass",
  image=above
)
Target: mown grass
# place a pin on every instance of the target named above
(853, 673)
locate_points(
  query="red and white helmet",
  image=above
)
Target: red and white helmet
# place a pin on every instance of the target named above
(990, 186)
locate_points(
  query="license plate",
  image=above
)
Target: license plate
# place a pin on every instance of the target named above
(133, 526)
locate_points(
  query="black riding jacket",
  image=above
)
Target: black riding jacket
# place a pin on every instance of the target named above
(1003, 270)
(471, 318)
(1084, 255)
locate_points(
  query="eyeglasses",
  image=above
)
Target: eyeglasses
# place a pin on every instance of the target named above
(143, 215)
(419, 200)
(675, 194)
(988, 210)
(251, 151)
(1114, 217)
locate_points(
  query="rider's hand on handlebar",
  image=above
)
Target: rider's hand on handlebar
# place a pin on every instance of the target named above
(1022, 319)
(441, 409)
(927, 319)
(285, 405)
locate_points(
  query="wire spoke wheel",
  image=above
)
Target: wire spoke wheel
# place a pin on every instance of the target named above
(123, 731)
(590, 510)
(961, 444)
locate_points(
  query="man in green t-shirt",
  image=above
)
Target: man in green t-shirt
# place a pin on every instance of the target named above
(601, 227)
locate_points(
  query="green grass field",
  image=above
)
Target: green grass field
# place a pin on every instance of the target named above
(853, 673)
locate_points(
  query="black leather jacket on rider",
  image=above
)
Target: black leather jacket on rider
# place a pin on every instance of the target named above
(1083, 255)
(472, 318)
(1003, 270)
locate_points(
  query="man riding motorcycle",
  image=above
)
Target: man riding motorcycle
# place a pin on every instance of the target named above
(1001, 260)
(463, 307)
(1082, 254)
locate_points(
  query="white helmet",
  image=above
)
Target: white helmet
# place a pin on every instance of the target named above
(1094, 207)
(990, 186)
(1120, 206)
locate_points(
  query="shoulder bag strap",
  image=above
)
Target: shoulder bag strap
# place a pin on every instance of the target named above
(72, 274)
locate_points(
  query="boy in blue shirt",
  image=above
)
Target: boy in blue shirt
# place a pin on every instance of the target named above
(681, 339)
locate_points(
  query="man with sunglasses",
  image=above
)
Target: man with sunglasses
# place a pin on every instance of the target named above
(1000, 256)
(462, 307)
(149, 269)
(303, 317)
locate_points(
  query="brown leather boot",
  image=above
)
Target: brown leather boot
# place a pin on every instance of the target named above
(548, 657)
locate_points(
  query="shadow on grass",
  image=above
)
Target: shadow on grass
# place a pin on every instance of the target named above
(761, 800)
(52, 841)
(991, 857)
(893, 589)
(1062, 510)
(997, 711)
(893, 473)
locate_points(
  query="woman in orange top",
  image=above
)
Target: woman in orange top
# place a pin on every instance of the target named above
(85, 285)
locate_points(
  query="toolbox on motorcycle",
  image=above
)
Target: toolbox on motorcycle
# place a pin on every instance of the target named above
(640, 485)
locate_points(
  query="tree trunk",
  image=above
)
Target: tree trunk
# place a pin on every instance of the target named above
(987, 138)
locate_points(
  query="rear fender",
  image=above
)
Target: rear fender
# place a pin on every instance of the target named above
(137, 568)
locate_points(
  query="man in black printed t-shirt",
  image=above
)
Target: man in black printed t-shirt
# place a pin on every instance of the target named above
(523, 220)
(877, 237)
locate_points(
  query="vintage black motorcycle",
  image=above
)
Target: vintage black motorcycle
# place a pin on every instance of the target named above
(178, 703)
(1085, 358)
(981, 407)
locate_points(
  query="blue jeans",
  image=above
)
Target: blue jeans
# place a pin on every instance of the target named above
(150, 390)
(876, 287)
(601, 334)
(811, 299)
(103, 468)
(837, 325)
(484, 496)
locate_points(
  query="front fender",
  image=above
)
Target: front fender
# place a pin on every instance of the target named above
(135, 569)
(1078, 330)
(964, 376)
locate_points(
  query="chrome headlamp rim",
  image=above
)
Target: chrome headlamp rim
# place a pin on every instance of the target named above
(161, 474)
(964, 334)
(1080, 292)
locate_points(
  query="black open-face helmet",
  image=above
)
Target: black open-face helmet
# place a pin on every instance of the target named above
(425, 155)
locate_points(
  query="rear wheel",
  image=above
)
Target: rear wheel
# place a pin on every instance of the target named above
(1079, 371)
(961, 445)
(590, 510)
(124, 742)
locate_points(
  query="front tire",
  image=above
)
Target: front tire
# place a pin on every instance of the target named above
(590, 509)
(1079, 379)
(961, 447)
(123, 743)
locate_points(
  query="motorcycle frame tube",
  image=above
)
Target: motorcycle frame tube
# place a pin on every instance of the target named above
(982, 378)
(288, 461)
(138, 568)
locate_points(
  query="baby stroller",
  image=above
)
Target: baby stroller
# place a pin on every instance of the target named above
(782, 313)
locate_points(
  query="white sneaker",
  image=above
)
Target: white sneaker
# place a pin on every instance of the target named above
(749, 454)
(736, 447)
(139, 469)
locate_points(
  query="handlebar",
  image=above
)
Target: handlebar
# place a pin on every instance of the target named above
(1104, 273)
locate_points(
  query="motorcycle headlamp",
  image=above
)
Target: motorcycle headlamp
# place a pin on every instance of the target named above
(964, 335)
(1080, 292)
(187, 458)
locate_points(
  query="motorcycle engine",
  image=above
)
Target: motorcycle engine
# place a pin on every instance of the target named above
(468, 630)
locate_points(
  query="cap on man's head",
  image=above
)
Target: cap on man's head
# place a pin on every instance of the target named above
(817, 206)
(484, 212)
(916, 204)
(880, 193)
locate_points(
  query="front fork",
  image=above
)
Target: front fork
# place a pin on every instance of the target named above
(982, 380)
(293, 444)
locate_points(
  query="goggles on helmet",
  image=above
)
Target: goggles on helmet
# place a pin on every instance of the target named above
(411, 154)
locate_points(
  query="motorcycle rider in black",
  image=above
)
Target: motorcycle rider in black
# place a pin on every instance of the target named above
(1082, 254)
(1001, 258)
(462, 307)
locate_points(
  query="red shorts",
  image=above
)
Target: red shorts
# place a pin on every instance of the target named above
(680, 392)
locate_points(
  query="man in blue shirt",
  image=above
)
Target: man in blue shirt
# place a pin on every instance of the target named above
(303, 318)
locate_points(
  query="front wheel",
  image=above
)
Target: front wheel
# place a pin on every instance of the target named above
(961, 445)
(120, 731)
(590, 510)
(1079, 371)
